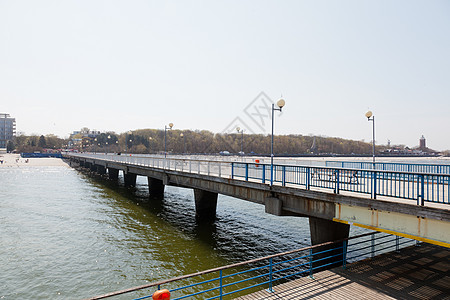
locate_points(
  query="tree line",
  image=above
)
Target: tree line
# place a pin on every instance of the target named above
(145, 141)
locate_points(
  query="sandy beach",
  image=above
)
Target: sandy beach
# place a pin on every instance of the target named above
(14, 160)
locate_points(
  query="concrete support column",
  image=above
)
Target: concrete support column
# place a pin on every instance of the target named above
(130, 179)
(81, 163)
(205, 205)
(93, 167)
(156, 187)
(113, 174)
(323, 231)
(101, 170)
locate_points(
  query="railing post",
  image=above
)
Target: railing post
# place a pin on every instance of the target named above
(220, 169)
(263, 173)
(421, 193)
(374, 185)
(270, 276)
(232, 170)
(344, 254)
(221, 285)
(397, 243)
(283, 180)
(336, 175)
(209, 167)
(308, 177)
(190, 166)
(246, 172)
(372, 246)
(311, 259)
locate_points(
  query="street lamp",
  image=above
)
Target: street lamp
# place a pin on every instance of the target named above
(238, 129)
(150, 144)
(280, 104)
(371, 117)
(165, 137)
(184, 141)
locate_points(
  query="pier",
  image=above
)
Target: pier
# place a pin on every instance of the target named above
(405, 207)
(409, 204)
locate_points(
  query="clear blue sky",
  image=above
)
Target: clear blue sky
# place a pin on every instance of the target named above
(120, 65)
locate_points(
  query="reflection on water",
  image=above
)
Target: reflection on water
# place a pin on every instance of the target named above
(65, 235)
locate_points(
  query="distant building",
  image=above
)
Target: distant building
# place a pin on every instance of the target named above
(422, 143)
(7, 129)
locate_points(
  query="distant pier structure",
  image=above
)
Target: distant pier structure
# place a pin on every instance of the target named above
(422, 143)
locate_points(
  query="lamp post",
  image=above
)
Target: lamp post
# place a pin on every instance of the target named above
(184, 142)
(165, 138)
(150, 145)
(280, 104)
(238, 129)
(371, 117)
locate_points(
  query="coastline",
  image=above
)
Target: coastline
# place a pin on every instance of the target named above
(14, 160)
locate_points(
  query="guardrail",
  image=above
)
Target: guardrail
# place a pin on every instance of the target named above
(388, 166)
(421, 187)
(249, 276)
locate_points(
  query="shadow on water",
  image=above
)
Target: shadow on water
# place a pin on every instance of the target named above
(240, 231)
(167, 208)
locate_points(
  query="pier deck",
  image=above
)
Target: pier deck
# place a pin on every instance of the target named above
(414, 273)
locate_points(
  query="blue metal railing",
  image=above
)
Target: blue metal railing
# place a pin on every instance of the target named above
(421, 187)
(245, 277)
(418, 186)
(396, 167)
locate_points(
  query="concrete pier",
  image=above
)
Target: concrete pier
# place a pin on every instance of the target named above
(205, 205)
(130, 179)
(156, 187)
(323, 231)
(113, 174)
(330, 213)
(101, 170)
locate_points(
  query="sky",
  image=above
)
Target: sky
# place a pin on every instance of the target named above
(215, 65)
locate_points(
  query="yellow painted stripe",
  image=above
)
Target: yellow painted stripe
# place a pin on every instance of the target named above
(409, 236)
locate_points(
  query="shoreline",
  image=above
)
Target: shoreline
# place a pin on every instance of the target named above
(14, 160)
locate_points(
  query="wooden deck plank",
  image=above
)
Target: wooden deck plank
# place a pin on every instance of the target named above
(415, 273)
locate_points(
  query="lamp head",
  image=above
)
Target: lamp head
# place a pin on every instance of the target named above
(368, 114)
(170, 125)
(181, 134)
(281, 103)
(238, 129)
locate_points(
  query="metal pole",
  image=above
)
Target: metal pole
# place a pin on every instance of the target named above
(373, 141)
(165, 142)
(242, 142)
(271, 149)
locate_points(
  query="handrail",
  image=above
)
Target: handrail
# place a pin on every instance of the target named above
(419, 186)
(394, 166)
(249, 163)
(306, 267)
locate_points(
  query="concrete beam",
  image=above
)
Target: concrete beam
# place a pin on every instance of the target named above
(273, 206)
(415, 227)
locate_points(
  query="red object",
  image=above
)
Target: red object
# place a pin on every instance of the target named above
(161, 295)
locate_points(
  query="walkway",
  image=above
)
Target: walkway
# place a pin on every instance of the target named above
(415, 273)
